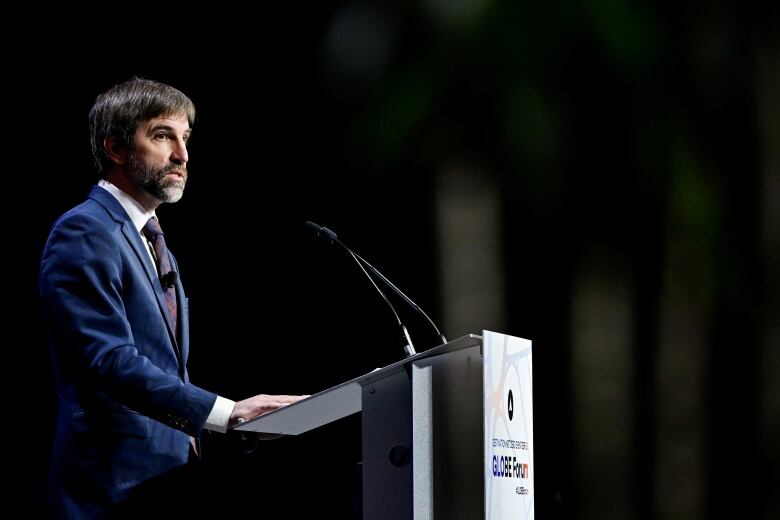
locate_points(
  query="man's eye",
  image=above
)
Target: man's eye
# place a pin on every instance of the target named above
(161, 136)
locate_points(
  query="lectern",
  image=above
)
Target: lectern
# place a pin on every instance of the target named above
(425, 452)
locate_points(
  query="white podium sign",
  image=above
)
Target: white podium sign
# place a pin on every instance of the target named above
(508, 429)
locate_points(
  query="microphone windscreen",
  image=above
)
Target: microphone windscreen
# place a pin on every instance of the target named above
(168, 280)
(320, 231)
(311, 226)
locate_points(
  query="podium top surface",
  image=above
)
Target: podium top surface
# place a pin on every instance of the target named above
(341, 400)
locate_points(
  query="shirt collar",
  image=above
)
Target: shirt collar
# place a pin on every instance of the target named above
(135, 211)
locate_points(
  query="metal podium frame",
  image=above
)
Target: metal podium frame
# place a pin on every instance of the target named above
(422, 422)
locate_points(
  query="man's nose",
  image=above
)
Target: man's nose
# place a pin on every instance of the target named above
(179, 154)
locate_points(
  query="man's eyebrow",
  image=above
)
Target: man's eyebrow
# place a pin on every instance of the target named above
(162, 126)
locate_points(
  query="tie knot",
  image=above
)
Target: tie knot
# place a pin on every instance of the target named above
(152, 228)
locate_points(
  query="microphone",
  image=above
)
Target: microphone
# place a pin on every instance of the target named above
(331, 237)
(168, 280)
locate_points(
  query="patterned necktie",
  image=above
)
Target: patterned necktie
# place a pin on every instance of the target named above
(154, 234)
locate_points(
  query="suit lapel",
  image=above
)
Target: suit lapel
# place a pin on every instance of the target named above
(183, 316)
(136, 242)
(133, 238)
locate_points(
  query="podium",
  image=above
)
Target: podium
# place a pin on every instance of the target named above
(422, 432)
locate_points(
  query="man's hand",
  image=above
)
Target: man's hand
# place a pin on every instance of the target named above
(260, 404)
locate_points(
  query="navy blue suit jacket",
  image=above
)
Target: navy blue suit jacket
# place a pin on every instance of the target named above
(125, 406)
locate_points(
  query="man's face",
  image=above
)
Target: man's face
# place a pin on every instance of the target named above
(157, 161)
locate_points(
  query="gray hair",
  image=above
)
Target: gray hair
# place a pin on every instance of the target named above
(117, 112)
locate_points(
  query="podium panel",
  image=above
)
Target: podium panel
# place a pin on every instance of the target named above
(423, 433)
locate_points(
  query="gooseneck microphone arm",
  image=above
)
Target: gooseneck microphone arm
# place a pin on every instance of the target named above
(329, 235)
(402, 295)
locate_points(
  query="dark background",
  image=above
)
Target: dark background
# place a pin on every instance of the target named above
(599, 177)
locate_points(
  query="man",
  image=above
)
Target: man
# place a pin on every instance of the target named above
(117, 314)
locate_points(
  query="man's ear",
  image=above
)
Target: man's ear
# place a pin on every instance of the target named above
(115, 151)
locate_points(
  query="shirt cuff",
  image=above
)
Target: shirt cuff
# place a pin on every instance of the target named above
(220, 415)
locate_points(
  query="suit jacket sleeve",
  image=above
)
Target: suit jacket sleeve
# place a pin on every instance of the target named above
(83, 283)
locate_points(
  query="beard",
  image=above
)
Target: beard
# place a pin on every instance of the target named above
(154, 181)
